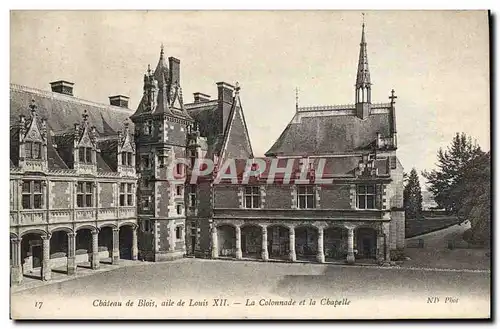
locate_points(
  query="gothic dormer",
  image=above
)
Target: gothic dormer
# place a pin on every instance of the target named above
(85, 147)
(32, 148)
(363, 82)
(126, 152)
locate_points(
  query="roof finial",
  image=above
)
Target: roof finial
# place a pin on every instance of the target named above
(393, 97)
(237, 88)
(161, 50)
(33, 107)
(85, 116)
(363, 14)
(296, 98)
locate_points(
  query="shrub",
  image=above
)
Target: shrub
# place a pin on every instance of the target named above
(398, 255)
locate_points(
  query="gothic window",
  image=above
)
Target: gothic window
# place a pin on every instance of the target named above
(192, 195)
(126, 194)
(33, 150)
(32, 194)
(306, 197)
(127, 159)
(178, 190)
(148, 127)
(147, 226)
(178, 169)
(252, 197)
(192, 157)
(178, 232)
(145, 162)
(366, 197)
(179, 209)
(84, 194)
(146, 202)
(85, 154)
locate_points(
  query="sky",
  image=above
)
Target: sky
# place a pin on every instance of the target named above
(436, 61)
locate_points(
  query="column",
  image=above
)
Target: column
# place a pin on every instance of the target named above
(135, 249)
(350, 245)
(387, 248)
(321, 255)
(71, 262)
(293, 256)
(16, 270)
(264, 253)
(238, 243)
(115, 253)
(215, 243)
(380, 248)
(95, 250)
(46, 269)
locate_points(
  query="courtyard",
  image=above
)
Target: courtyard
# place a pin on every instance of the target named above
(203, 280)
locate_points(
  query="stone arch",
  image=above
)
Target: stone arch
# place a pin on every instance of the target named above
(59, 242)
(306, 241)
(251, 240)
(86, 226)
(225, 223)
(278, 240)
(13, 235)
(335, 242)
(65, 229)
(226, 238)
(105, 239)
(125, 239)
(37, 231)
(83, 240)
(103, 225)
(133, 225)
(365, 239)
(32, 252)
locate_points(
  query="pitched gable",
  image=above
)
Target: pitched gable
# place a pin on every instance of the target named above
(236, 143)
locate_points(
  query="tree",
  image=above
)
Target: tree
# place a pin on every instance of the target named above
(412, 196)
(446, 183)
(476, 200)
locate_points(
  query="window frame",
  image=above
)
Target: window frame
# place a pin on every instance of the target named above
(192, 195)
(29, 150)
(178, 232)
(31, 195)
(252, 193)
(85, 155)
(308, 194)
(83, 196)
(365, 196)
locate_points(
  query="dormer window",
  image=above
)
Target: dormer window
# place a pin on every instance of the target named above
(148, 127)
(126, 158)
(85, 155)
(33, 150)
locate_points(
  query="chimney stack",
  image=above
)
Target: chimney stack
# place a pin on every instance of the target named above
(225, 92)
(175, 70)
(119, 100)
(201, 97)
(225, 100)
(62, 87)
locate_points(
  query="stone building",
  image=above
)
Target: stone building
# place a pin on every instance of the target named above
(359, 215)
(92, 182)
(72, 182)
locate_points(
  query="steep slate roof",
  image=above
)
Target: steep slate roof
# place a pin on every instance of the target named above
(62, 112)
(236, 141)
(332, 134)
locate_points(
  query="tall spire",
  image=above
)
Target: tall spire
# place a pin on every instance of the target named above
(363, 83)
(363, 76)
